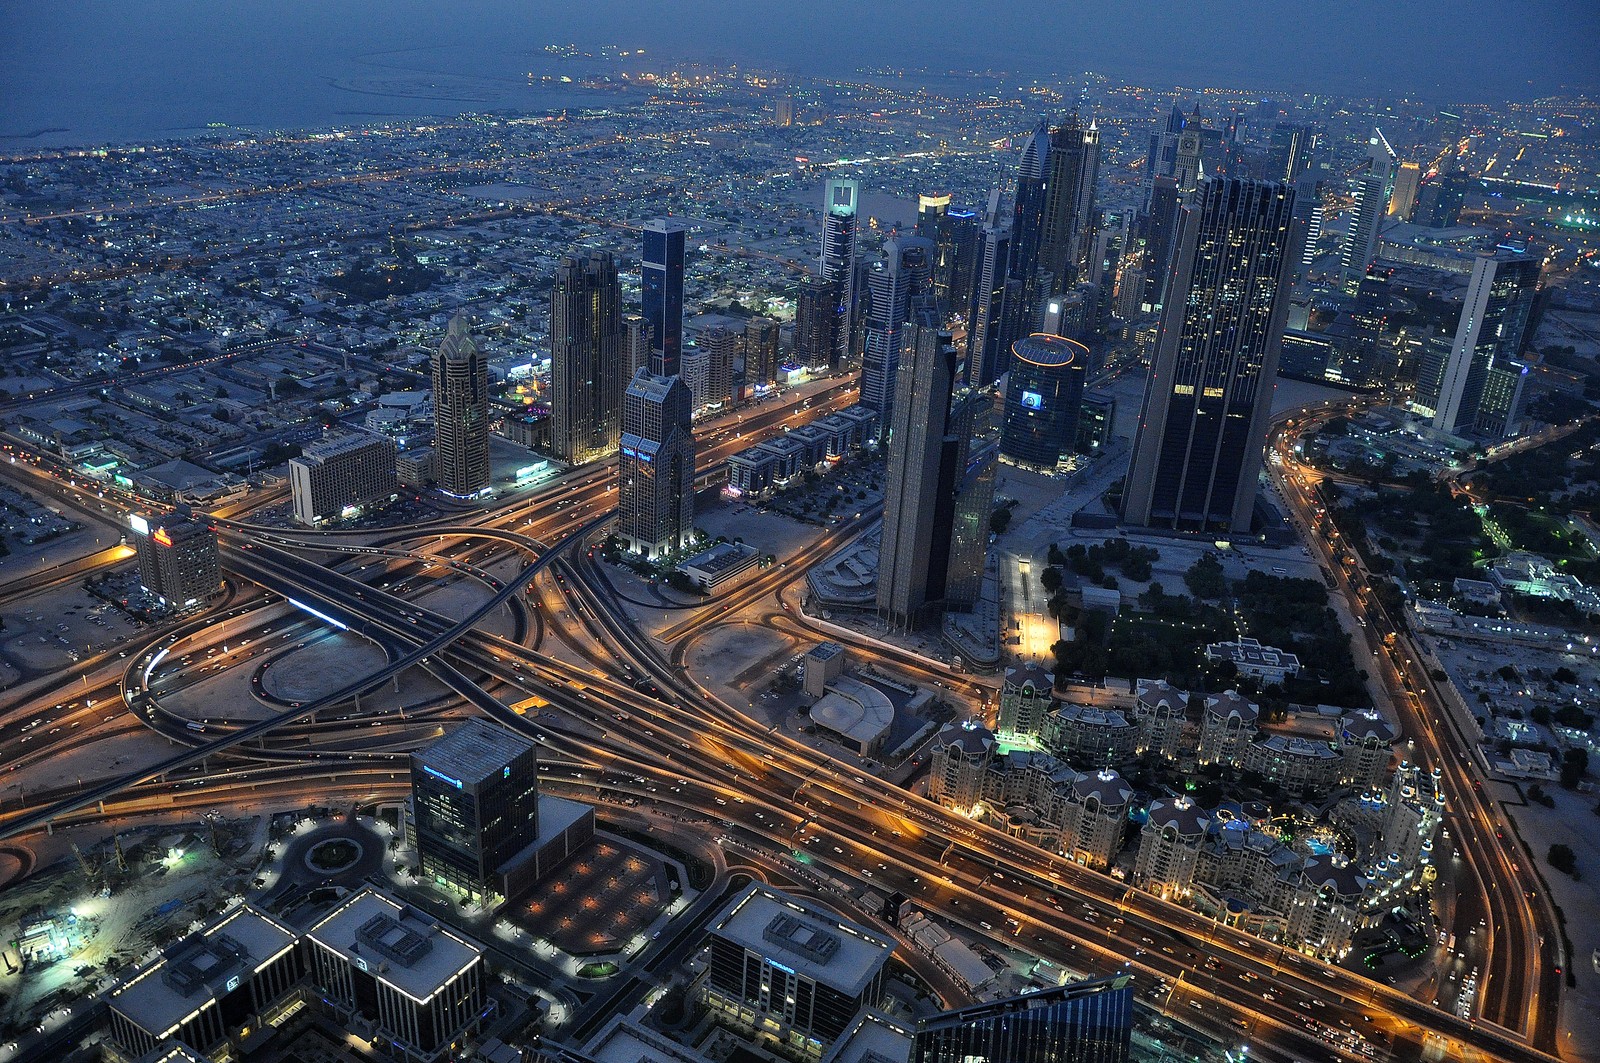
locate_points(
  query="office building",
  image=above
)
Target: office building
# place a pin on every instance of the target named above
(637, 341)
(178, 560)
(1069, 217)
(475, 803)
(1407, 181)
(1440, 200)
(1371, 189)
(397, 976)
(1481, 387)
(340, 476)
(655, 469)
(1291, 148)
(817, 323)
(795, 972)
(586, 355)
(783, 111)
(1162, 160)
(893, 284)
(969, 530)
(461, 414)
(986, 312)
(1158, 226)
(1044, 395)
(928, 451)
(1083, 1022)
(655, 464)
(1020, 308)
(838, 258)
(661, 291)
(759, 344)
(721, 346)
(215, 991)
(1203, 425)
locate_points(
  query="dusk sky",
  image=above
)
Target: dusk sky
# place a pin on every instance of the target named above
(1459, 50)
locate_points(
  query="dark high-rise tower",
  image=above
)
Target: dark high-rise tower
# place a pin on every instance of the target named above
(817, 322)
(475, 803)
(1069, 218)
(760, 345)
(985, 325)
(838, 261)
(1203, 425)
(1085, 1022)
(929, 442)
(1022, 298)
(1044, 396)
(661, 282)
(1473, 396)
(894, 283)
(461, 413)
(586, 341)
(655, 462)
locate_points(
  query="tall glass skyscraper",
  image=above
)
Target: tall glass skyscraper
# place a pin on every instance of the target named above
(656, 455)
(1481, 387)
(1069, 217)
(894, 284)
(838, 260)
(461, 413)
(928, 453)
(985, 318)
(661, 283)
(1086, 1022)
(1203, 425)
(1028, 203)
(586, 341)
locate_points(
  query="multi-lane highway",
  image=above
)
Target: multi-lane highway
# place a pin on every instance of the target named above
(679, 745)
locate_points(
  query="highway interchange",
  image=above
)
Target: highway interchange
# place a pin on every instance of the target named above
(629, 723)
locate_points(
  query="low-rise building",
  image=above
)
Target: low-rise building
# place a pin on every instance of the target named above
(1266, 663)
(397, 975)
(341, 476)
(792, 970)
(713, 567)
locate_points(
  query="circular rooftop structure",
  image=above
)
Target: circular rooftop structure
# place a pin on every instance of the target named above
(1049, 352)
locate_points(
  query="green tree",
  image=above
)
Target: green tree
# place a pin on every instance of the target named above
(1574, 765)
(1204, 578)
(1563, 859)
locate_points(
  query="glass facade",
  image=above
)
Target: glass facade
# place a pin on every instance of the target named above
(661, 281)
(1090, 1022)
(1044, 395)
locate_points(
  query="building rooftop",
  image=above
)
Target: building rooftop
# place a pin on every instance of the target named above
(1249, 653)
(857, 710)
(201, 968)
(626, 1042)
(810, 941)
(396, 944)
(473, 751)
(872, 1038)
(719, 558)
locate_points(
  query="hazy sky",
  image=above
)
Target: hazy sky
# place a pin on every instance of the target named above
(1463, 49)
(107, 68)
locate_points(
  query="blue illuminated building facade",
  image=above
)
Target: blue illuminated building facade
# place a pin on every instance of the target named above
(1044, 394)
(661, 282)
(475, 803)
(1085, 1022)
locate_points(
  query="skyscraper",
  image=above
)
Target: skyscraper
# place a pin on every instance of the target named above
(1158, 225)
(1371, 189)
(1069, 219)
(894, 283)
(838, 260)
(661, 282)
(1020, 312)
(1407, 180)
(1162, 160)
(817, 323)
(1291, 150)
(178, 560)
(985, 328)
(1044, 394)
(655, 463)
(1083, 1022)
(1203, 424)
(475, 803)
(636, 346)
(927, 469)
(461, 413)
(586, 351)
(721, 345)
(1481, 386)
(760, 345)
